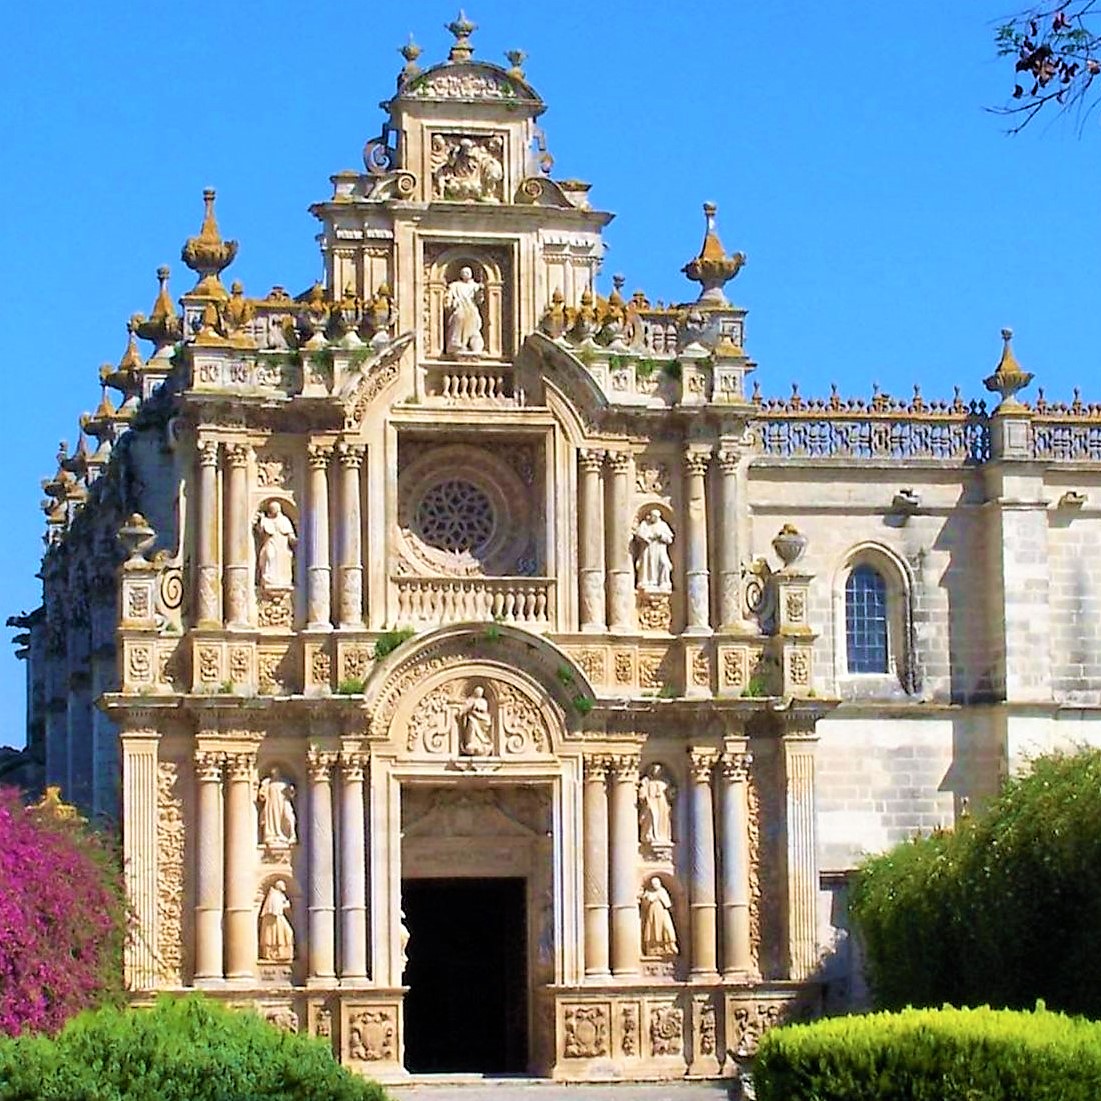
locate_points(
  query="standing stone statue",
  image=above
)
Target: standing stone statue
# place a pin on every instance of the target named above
(464, 314)
(655, 809)
(277, 542)
(278, 823)
(659, 935)
(276, 934)
(476, 725)
(654, 567)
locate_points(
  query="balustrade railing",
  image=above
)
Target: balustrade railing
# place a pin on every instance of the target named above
(460, 384)
(523, 601)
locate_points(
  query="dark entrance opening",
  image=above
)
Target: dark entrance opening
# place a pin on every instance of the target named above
(466, 1009)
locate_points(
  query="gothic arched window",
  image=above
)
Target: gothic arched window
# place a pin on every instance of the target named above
(866, 641)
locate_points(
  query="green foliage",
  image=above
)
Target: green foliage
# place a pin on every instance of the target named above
(389, 641)
(564, 674)
(672, 369)
(492, 633)
(667, 692)
(350, 686)
(582, 704)
(757, 687)
(933, 1054)
(1003, 911)
(182, 1049)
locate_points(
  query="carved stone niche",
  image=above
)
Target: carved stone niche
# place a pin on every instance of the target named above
(491, 269)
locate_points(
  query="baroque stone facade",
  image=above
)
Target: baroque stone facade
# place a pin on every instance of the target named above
(451, 571)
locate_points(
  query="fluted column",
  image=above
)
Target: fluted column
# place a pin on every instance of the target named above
(730, 569)
(238, 564)
(802, 856)
(702, 874)
(139, 853)
(319, 584)
(322, 887)
(626, 923)
(209, 868)
(208, 611)
(618, 544)
(351, 526)
(734, 847)
(596, 865)
(353, 870)
(591, 540)
(697, 578)
(240, 868)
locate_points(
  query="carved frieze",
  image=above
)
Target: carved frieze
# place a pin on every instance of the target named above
(629, 1029)
(666, 1030)
(170, 874)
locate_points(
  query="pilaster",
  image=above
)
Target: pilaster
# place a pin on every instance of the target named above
(618, 544)
(591, 541)
(596, 866)
(702, 761)
(697, 576)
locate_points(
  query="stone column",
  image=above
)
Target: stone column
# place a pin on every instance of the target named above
(351, 553)
(353, 870)
(209, 871)
(730, 566)
(590, 539)
(322, 899)
(801, 851)
(208, 611)
(618, 544)
(734, 846)
(139, 853)
(702, 874)
(238, 565)
(626, 922)
(697, 577)
(240, 866)
(319, 585)
(596, 866)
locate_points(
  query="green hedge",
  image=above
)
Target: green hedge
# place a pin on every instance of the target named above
(933, 1055)
(182, 1049)
(1002, 911)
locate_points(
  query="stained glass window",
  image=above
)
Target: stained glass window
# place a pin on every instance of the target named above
(866, 620)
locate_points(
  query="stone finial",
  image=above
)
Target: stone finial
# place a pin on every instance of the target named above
(131, 359)
(462, 28)
(789, 545)
(1008, 376)
(207, 254)
(516, 60)
(410, 51)
(713, 268)
(163, 327)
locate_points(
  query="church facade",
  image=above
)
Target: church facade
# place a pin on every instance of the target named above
(485, 675)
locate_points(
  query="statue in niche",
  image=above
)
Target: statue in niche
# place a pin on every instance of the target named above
(654, 567)
(403, 941)
(277, 542)
(655, 807)
(659, 935)
(464, 314)
(475, 725)
(278, 823)
(276, 934)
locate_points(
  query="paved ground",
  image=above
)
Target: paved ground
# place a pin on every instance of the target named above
(525, 1089)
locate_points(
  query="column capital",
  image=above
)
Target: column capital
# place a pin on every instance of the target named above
(239, 766)
(320, 764)
(353, 766)
(318, 455)
(350, 454)
(701, 762)
(619, 461)
(591, 459)
(624, 768)
(596, 769)
(697, 458)
(238, 454)
(729, 455)
(209, 766)
(208, 453)
(735, 766)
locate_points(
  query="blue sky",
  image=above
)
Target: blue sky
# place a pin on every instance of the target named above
(890, 225)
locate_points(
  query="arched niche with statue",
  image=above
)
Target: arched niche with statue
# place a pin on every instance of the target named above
(468, 308)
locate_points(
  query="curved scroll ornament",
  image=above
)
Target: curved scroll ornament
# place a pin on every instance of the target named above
(378, 158)
(433, 721)
(522, 728)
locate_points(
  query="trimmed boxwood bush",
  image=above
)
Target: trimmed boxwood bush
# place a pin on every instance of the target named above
(933, 1055)
(181, 1049)
(1002, 911)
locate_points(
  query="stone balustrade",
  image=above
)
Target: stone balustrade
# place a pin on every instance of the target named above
(525, 601)
(461, 383)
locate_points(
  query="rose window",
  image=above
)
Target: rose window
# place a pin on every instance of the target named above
(455, 516)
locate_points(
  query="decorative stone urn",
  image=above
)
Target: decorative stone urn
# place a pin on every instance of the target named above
(789, 545)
